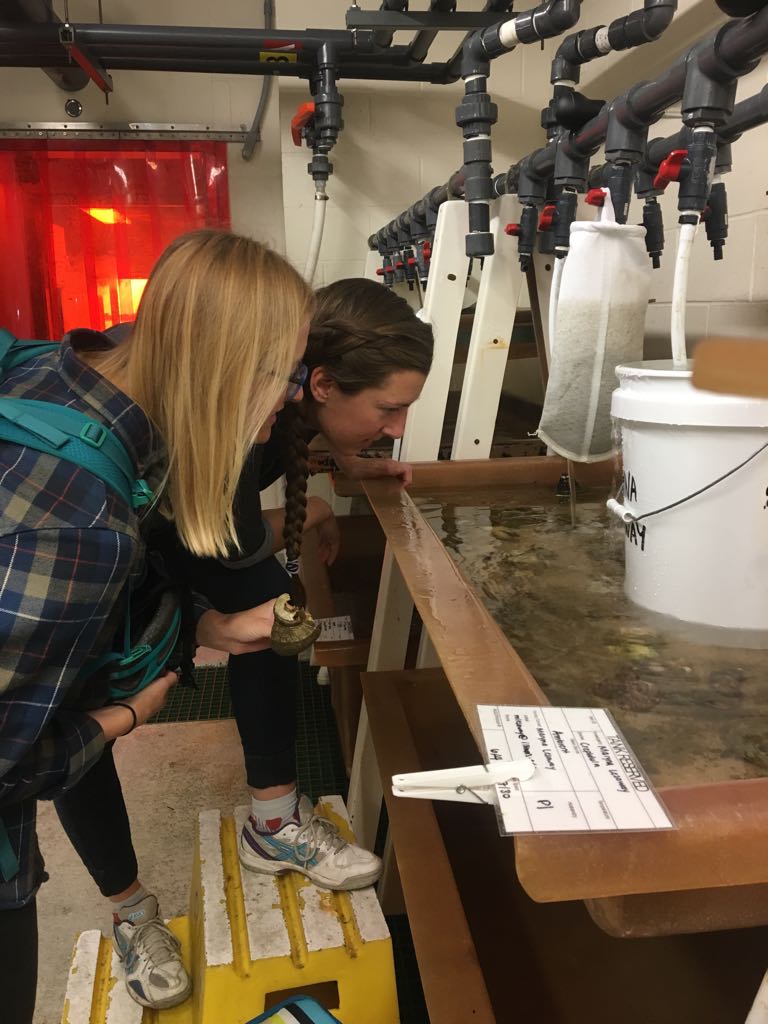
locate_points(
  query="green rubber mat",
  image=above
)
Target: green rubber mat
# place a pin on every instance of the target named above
(320, 770)
(209, 702)
(318, 755)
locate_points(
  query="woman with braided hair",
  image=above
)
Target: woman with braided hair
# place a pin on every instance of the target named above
(366, 361)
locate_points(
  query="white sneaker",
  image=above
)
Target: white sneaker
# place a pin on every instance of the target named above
(149, 951)
(311, 845)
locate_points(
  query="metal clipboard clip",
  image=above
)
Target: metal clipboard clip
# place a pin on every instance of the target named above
(474, 784)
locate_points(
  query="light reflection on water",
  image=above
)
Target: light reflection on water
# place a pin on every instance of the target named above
(693, 711)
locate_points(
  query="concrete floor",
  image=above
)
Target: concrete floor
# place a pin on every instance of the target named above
(169, 773)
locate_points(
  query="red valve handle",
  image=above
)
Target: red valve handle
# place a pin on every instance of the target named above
(595, 197)
(303, 115)
(512, 229)
(411, 261)
(669, 169)
(547, 218)
(426, 251)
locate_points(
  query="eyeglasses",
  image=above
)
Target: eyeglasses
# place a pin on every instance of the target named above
(296, 382)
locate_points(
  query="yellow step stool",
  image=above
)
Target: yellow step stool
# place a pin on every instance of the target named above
(249, 941)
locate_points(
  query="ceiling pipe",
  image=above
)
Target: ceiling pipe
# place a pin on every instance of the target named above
(100, 36)
(65, 75)
(227, 51)
(433, 74)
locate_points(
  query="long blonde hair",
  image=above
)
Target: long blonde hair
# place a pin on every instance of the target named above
(208, 359)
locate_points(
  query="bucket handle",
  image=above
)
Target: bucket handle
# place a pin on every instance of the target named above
(627, 516)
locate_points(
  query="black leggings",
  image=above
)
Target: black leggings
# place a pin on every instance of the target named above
(263, 688)
(18, 963)
(94, 816)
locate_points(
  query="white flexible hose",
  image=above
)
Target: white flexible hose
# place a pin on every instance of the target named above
(554, 298)
(680, 293)
(318, 223)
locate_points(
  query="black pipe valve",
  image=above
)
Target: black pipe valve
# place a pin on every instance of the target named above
(653, 222)
(715, 219)
(525, 232)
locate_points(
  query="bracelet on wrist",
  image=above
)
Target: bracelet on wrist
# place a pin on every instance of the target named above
(122, 704)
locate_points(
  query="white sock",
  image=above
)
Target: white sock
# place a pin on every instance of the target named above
(131, 901)
(271, 815)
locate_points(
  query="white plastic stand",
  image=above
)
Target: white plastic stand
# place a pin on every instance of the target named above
(497, 299)
(442, 308)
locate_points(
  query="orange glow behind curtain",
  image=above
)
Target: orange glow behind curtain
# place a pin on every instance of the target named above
(84, 224)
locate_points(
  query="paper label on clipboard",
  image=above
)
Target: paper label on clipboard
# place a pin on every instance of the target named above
(338, 627)
(587, 778)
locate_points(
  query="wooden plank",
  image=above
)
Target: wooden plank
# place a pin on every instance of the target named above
(441, 937)
(721, 827)
(314, 575)
(535, 470)
(719, 841)
(732, 366)
(482, 666)
(551, 957)
(341, 653)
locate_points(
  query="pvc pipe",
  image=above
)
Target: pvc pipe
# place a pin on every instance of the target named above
(508, 34)
(318, 223)
(94, 36)
(680, 293)
(748, 114)
(737, 43)
(419, 46)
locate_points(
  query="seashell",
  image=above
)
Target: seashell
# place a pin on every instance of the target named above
(294, 629)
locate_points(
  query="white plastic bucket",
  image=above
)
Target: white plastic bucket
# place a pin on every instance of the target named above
(705, 561)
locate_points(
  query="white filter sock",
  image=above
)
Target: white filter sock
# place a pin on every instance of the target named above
(599, 325)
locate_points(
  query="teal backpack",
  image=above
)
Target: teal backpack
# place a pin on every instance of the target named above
(152, 634)
(157, 633)
(296, 1010)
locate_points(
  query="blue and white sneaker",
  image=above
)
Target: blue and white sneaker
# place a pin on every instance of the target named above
(311, 845)
(149, 951)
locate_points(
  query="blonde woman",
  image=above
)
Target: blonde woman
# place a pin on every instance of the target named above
(221, 328)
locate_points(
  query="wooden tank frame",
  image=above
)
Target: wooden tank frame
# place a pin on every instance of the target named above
(710, 873)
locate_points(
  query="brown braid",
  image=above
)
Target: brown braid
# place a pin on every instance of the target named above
(296, 473)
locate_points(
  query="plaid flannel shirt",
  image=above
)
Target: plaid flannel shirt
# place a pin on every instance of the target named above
(68, 544)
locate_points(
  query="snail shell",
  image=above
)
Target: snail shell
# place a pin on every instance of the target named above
(294, 629)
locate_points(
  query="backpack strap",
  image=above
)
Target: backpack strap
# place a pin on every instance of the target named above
(64, 432)
(14, 351)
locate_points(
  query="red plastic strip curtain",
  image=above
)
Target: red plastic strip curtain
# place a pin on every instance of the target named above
(84, 224)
